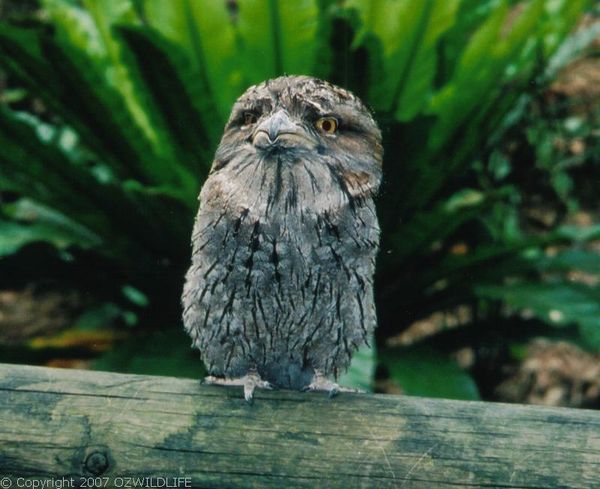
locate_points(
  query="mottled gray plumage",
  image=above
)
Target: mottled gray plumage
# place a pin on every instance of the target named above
(284, 244)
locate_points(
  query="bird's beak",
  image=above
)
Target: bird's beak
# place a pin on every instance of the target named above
(279, 130)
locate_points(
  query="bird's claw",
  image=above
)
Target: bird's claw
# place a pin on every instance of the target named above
(321, 383)
(249, 382)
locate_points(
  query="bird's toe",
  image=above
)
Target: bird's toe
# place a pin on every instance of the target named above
(249, 382)
(320, 383)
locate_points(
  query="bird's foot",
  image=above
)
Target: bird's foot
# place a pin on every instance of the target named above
(320, 383)
(249, 382)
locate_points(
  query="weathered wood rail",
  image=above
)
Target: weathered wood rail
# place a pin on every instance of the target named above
(60, 424)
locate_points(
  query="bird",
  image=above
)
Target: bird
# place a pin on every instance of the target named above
(279, 293)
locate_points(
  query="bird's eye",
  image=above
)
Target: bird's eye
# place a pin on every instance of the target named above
(328, 125)
(250, 118)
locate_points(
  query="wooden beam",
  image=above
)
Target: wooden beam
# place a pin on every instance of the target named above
(57, 424)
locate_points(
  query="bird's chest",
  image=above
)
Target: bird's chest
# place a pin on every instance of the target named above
(284, 250)
(281, 286)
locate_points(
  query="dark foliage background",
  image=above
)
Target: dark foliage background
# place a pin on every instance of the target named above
(111, 112)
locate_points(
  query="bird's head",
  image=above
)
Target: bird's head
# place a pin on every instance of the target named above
(303, 125)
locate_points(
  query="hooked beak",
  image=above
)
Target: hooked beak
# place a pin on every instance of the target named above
(279, 130)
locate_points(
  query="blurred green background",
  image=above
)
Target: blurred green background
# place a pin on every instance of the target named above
(110, 112)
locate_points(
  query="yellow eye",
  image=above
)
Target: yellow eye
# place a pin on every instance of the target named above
(250, 118)
(327, 124)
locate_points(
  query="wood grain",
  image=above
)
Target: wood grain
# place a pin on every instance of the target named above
(62, 423)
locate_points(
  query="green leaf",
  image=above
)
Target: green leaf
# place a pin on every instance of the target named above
(61, 76)
(205, 32)
(64, 186)
(426, 371)
(154, 353)
(561, 16)
(361, 373)
(165, 92)
(407, 34)
(45, 224)
(427, 227)
(580, 234)
(300, 44)
(470, 16)
(134, 295)
(474, 72)
(459, 267)
(99, 318)
(76, 26)
(13, 236)
(87, 29)
(572, 47)
(128, 217)
(571, 259)
(416, 85)
(558, 304)
(497, 52)
(277, 37)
